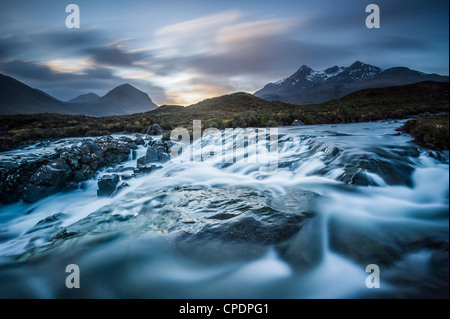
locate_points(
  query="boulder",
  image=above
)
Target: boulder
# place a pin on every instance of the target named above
(154, 155)
(107, 184)
(139, 141)
(155, 129)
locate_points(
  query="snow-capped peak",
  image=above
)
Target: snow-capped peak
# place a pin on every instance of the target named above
(306, 76)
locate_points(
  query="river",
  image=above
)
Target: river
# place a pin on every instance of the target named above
(342, 197)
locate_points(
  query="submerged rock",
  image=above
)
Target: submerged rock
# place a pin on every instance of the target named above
(245, 220)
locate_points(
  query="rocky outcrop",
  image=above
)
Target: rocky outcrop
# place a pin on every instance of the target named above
(39, 176)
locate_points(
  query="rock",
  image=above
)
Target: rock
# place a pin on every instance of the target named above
(49, 221)
(166, 136)
(127, 176)
(120, 169)
(64, 234)
(155, 129)
(147, 168)
(139, 141)
(31, 193)
(107, 184)
(119, 188)
(57, 173)
(84, 173)
(297, 123)
(154, 155)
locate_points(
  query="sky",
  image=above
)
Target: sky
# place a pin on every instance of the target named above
(184, 51)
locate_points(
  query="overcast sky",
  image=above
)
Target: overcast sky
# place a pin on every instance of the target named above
(181, 52)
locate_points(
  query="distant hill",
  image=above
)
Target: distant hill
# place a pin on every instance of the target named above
(18, 98)
(307, 86)
(124, 99)
(84, 98)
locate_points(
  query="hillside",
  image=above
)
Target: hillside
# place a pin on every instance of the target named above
(16, 96)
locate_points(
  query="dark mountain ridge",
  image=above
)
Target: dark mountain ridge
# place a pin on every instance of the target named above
(18, 98)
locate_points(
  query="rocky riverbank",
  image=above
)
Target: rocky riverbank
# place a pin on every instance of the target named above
(33, 176)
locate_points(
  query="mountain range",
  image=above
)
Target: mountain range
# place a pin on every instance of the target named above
(18, 98)
(307, 86)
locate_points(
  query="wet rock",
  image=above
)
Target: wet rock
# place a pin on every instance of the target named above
(37, 176)
(139, 141)
(119, 188)
(50, 221)
(166, 136)
(64, 234)
(154, 155)
(84, 173)
(120, 169)
(31, 193)
(155, 129)
(146, 168)
(203, 219)
(235, 216)
(107, 184)
(56, 173)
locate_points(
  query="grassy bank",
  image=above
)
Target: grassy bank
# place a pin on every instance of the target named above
(430, 131)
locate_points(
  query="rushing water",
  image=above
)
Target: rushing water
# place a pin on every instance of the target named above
(341, 198)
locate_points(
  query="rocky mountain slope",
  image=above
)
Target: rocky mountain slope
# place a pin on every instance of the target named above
(307, 86)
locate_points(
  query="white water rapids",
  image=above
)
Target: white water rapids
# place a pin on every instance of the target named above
(342, 197)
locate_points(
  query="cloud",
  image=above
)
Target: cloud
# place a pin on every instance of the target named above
(32, 70)
(240, 33)
(55, 79)
(114, 55)
(198, 27)
(217, 47)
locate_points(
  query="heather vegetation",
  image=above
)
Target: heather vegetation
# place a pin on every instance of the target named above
(430, 131)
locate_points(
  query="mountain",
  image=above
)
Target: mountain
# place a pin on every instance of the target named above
(84, 98)
(124, 99)
(307, 86)
(18, 98)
